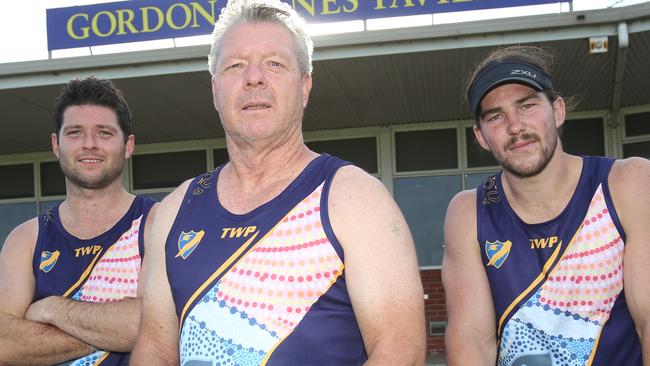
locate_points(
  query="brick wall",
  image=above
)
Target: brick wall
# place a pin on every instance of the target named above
(434, 306)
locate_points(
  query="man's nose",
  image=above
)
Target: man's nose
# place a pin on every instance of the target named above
(255, 76)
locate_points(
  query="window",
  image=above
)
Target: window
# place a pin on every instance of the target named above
(167, 170)
(426, 150)
(472, 180)
(220, 156)
(52, 179)
(424, 200)
(421, 193)
(476, 155)
(637, 135)
(428, 176)
(360, 151)
(437, 328)
(13, 214)
(637, 124)
(584, 136)
(641, 149)
(17, 181)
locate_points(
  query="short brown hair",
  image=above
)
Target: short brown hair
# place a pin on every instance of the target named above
(93, 91)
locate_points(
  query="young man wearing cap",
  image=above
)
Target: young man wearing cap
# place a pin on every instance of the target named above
(555, 272)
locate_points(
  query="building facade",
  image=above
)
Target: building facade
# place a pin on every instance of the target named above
(390, 101)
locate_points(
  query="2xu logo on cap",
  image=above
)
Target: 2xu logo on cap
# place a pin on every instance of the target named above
(523, 72)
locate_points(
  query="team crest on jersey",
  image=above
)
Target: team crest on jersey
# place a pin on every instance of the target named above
(187, 242)
(48, 260)
(497, 252)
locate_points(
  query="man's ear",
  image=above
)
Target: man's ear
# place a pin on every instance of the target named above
(306, 89)
(130, 147)
(480, 138)
(55, 144)
(559, 112)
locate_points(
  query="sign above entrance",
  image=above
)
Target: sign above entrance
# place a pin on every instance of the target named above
(133, 21)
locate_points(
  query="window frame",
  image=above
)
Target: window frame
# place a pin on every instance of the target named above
(461, 150)
(614, 139)
(171, 147)
(624, 139)
(349, 134)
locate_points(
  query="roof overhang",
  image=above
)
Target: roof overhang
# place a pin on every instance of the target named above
(371, 78)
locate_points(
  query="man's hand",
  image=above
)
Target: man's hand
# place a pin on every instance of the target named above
(40, 311)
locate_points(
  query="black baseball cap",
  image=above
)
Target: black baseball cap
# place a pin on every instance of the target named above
(496, 74)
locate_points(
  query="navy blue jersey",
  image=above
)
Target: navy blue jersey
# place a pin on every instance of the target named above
(101, 269)
(266, 287)
(557, 286)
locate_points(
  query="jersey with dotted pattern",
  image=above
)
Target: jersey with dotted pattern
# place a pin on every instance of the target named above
(557, 286)
(266, 287)
(101, 269)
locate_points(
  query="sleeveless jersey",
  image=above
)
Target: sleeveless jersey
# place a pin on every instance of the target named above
(101, 269)
(266, 287)
(557, 286)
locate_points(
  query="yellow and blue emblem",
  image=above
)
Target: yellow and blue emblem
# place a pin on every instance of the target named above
(187, 242)
(497, 252)
(48, 260)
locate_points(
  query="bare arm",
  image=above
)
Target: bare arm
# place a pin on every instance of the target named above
(629, 182)
(24, 342)
(471, 333)
(379, 250)
(157, 342)
(110, 326)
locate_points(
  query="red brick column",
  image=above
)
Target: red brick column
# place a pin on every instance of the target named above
(434, 307)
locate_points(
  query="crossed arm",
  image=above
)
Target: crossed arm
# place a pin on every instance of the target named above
(22, 341)
(471, 335)
(109, 326)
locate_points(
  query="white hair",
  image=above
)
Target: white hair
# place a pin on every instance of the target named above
(257, 11)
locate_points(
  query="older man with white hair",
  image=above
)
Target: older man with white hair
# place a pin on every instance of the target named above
(281, 256)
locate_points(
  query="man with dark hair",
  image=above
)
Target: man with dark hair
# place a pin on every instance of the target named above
(69, 277)
(98, 92)
(281, 256)
(555, 272)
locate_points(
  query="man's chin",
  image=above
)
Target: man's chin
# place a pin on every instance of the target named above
(94, 183)
(525, 170)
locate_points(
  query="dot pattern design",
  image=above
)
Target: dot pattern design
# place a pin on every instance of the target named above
(116, 274)
(264, 296)
(547, 349)
(89, 360)
(564, 317)
(114, 277)
(589, 277)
